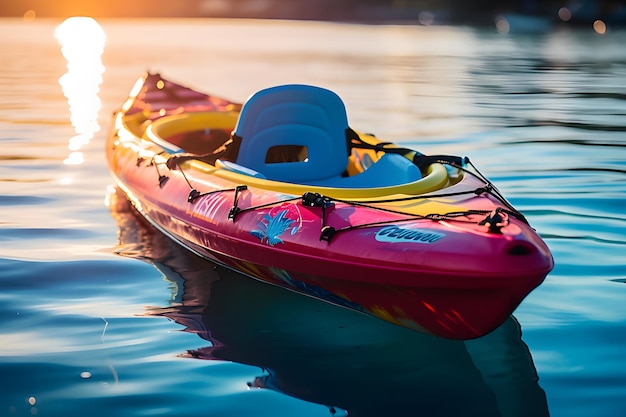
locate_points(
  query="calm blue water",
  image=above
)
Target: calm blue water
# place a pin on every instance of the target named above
(100, 315)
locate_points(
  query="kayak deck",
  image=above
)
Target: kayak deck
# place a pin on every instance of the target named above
(438, 250)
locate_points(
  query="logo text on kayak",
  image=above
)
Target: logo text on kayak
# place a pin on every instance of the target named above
(395, 234)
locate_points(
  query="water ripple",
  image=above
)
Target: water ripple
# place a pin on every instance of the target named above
(37, 233)
(24, 200)
(573, 125)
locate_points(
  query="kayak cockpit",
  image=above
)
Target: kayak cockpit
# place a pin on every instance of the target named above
(289, 133)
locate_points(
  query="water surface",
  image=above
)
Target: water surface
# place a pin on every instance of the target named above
(100, 314)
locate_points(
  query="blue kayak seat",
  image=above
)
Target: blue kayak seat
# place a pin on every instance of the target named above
(310, 119)
(391, 169)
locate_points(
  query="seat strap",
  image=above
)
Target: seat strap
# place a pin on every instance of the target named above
(422, 161)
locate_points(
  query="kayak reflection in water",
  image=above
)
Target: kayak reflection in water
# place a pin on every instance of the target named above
(330, 355)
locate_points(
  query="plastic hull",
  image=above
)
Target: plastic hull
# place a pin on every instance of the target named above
(408, 261)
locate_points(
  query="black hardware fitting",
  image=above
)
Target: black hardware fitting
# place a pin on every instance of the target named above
(232, 213)
(310, 199)
(193, 194)
(495, 221)
(327, 233)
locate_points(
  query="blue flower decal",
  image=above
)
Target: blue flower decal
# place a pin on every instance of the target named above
(270, 228)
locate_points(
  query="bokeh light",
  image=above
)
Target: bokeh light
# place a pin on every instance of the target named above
(29, 15)
(565, 14)
(599, 26)
(502, 25)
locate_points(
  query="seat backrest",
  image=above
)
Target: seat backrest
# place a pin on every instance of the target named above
(294, 116)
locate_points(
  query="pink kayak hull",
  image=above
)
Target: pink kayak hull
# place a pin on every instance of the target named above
(448, 277)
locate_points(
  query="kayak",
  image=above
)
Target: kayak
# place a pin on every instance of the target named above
(282, 189)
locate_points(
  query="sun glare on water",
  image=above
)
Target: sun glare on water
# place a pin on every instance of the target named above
(82, 43)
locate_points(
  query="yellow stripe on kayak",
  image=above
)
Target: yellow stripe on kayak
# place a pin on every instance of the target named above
(436, 179)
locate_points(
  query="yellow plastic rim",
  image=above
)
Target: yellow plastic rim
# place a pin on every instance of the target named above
(436, 178)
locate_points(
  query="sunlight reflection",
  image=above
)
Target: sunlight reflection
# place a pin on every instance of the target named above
(82, 43)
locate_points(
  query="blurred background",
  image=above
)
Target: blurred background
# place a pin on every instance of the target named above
(482, 12)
